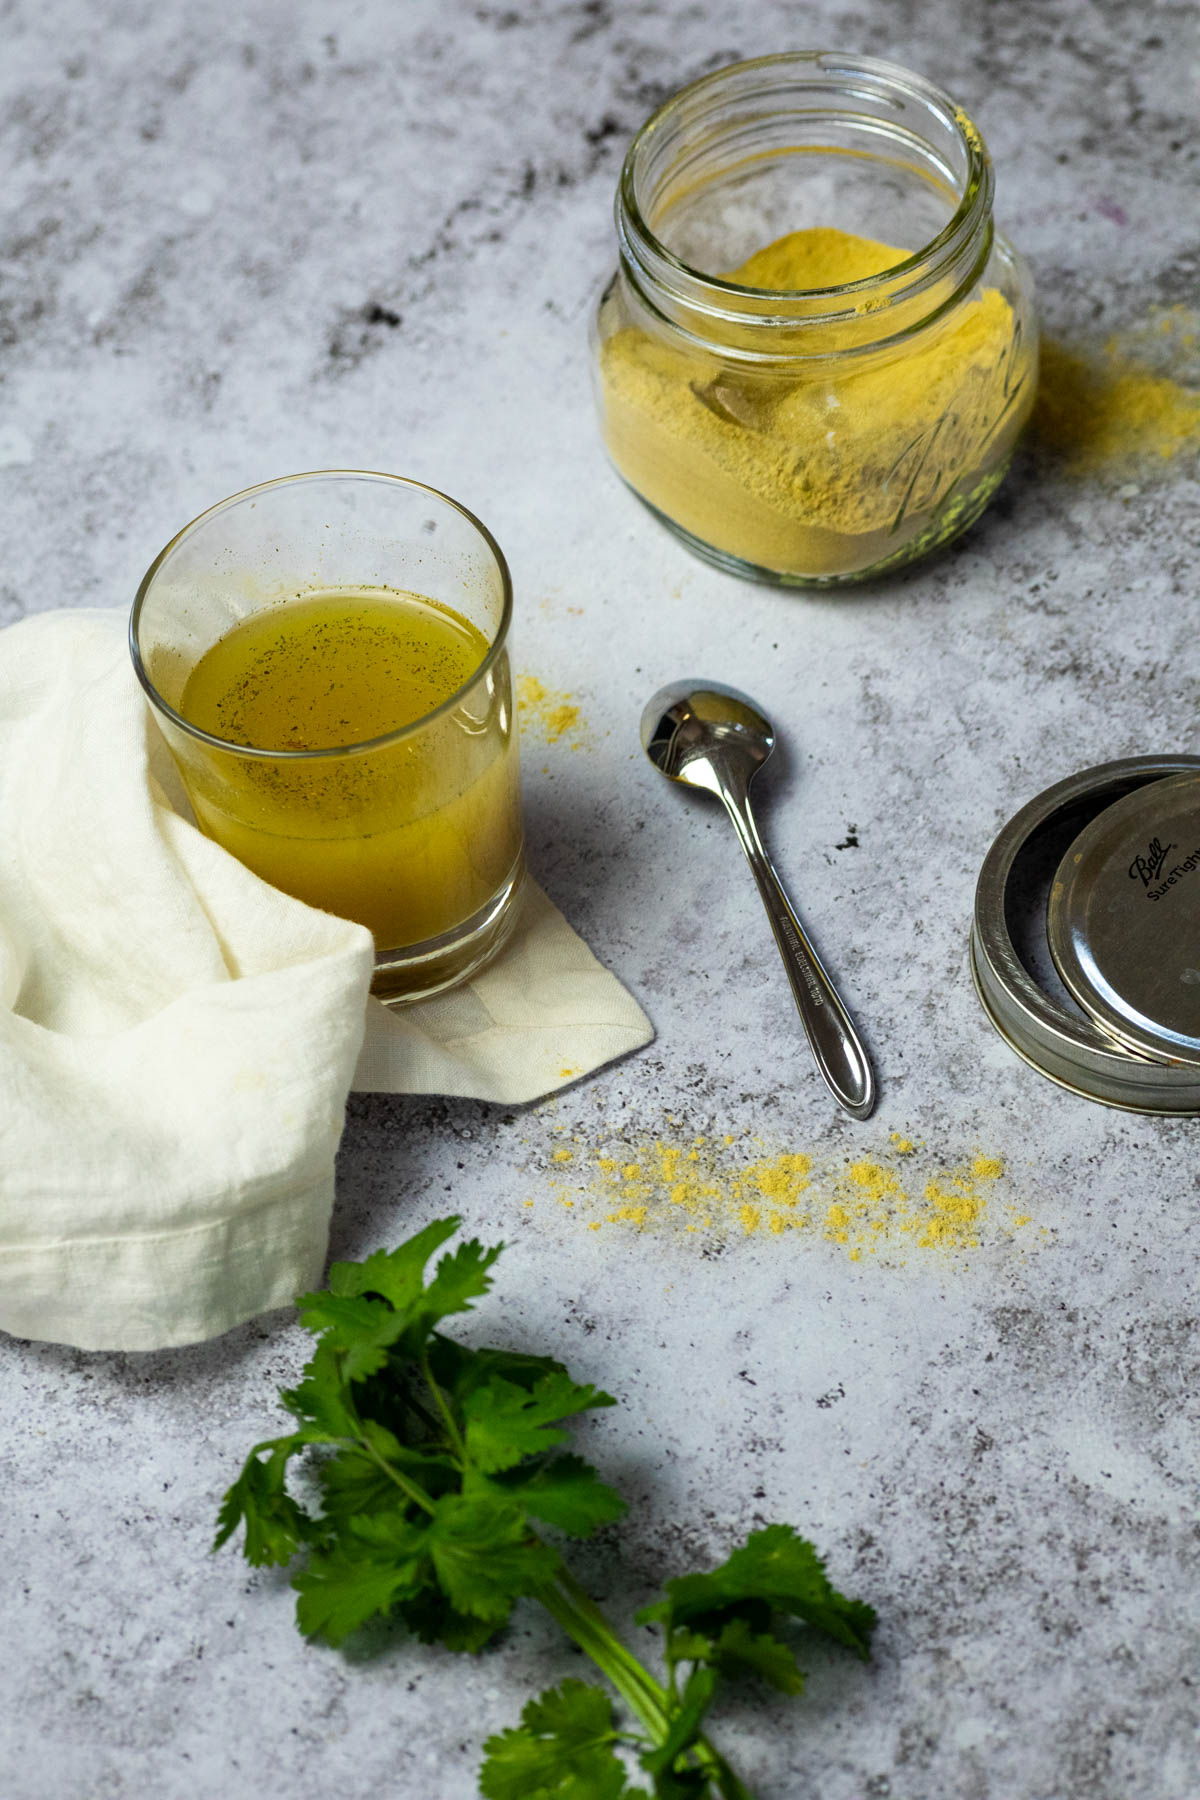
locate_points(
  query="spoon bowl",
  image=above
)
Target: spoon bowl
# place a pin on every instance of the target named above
(685, 723)
(706, 735)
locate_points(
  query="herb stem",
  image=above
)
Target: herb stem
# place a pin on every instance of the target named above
(587, 1608)
(409, 1489)
(583, 1622)
(586, 1626)
(448, 1419)
(417, 1495)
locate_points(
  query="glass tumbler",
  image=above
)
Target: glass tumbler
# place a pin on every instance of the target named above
(413, 830)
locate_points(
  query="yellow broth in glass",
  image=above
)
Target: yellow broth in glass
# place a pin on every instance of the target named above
(327, 658)
(409, 838)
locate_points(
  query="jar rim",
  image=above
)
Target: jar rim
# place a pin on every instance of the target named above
(324, 752)
(920, 267)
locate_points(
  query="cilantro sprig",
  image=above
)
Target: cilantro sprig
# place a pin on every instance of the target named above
(438, 1468)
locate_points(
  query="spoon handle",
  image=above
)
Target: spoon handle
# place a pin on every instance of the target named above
(835, 1044)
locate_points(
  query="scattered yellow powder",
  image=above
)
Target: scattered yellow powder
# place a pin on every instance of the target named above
(952, 1219)
(1114, 409)
(837, 1219)
(545, 714)
(781, 1180)
(875, 1209)
(881, 1206)
(821, 468)
(875, 1183)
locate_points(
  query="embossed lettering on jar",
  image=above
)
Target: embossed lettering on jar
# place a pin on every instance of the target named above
(817, 354)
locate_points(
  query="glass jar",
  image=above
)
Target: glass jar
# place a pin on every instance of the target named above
(816, 354)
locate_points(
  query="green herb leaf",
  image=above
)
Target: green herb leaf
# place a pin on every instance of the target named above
(353, 1484)
(739, 1648)
(359, 1331)
(485, 1558)
(689, 1646)
(358, 1576)
(321, 1400)
(461, 1371)
(562, 1750)
(461, 1278)
(275, 1526)
(506, 1423)
(778, 1570)
(398, 1275)
(393, 1280)
(565, 1493)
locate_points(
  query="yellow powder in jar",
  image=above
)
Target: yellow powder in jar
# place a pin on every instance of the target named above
(820, 257)
(830, 467)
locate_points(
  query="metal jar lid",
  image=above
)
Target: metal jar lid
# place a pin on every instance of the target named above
(1017, 989)
(1123, 920)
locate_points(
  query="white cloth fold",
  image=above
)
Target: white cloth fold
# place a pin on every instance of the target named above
(177, 1039)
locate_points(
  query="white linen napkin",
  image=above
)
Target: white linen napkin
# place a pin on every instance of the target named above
(177, 1039)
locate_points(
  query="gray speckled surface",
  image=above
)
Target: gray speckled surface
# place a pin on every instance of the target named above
(210, 221)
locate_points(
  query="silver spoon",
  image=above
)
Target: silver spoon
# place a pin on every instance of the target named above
(709, 736)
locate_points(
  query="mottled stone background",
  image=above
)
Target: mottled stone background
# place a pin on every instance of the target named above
(242, 241)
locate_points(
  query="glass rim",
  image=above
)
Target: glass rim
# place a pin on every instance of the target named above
(918, 266)
(364, 745)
